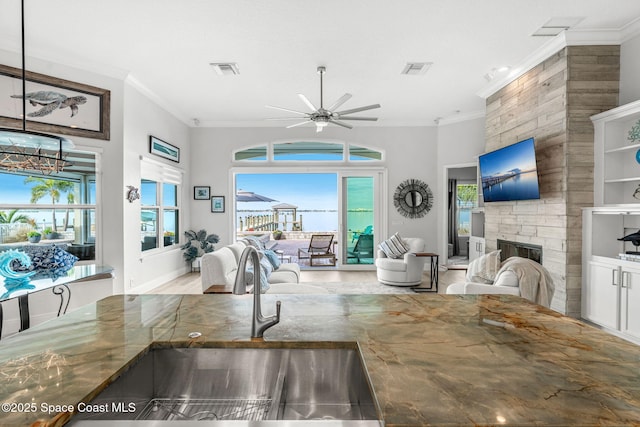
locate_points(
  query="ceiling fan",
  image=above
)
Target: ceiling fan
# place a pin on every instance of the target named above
(323, 116)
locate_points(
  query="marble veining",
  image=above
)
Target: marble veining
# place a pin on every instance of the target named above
(432, 359)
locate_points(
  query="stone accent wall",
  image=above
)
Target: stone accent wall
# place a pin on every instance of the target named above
(553, 103)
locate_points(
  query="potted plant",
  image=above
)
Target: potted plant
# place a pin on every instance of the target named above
(198, 244)
(34, 236)
(49, 233)
(277, 234)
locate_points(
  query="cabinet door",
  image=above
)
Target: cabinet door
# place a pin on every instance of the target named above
(476, 247)
(630, 307)
(601, 294)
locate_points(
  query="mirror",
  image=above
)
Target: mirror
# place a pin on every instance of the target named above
(413, 199)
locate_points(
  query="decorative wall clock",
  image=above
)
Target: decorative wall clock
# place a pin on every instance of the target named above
(413, 198)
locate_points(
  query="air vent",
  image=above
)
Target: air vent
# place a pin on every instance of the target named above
(555, 26)
(226, 68)
(416, 68)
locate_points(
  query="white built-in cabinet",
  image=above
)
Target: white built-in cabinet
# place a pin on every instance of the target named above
(611, 286)
(476, 238)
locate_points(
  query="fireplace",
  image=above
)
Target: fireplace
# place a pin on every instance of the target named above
(523, 250)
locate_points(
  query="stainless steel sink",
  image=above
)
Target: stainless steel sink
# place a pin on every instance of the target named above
(221, 385)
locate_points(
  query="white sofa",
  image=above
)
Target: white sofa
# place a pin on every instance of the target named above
(405, 271)
(221, 266)
(514, 276)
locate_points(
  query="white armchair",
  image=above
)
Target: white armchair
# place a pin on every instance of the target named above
(405, 271)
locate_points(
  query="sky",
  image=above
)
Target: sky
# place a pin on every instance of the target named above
(519, 155)
(309, 191)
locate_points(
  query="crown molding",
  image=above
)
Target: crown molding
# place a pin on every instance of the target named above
(630, 30)
(567, 38)
(136, 84)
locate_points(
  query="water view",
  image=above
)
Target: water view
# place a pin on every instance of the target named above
(519, 187)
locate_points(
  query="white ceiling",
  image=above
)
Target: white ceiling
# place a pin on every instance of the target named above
(166, 46)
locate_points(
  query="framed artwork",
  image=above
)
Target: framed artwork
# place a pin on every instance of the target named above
(217, 204)
(54, 105)
(164, 149)
(201, 192)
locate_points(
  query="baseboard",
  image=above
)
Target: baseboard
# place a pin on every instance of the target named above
(159, 281)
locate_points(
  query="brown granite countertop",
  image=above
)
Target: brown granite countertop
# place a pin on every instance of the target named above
(439, 360)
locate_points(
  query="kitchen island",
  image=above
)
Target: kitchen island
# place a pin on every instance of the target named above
(432, 359)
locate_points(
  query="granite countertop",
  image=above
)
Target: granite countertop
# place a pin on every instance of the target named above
(432, 359)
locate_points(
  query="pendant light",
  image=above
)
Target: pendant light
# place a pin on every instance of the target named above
(21, 149)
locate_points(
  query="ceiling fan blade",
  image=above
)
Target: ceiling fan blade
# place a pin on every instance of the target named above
(284, 118)
(307, 103)
(344, 98)
(286, 109)
(355, 110)
(300, 124)
(369, 119)
(339, 123)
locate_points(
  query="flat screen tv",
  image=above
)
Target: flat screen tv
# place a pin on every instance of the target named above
(510, 173)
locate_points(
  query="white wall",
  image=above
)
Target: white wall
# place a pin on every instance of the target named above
(142, 118)
(630, 70)
(458, 144)
(110, 236)
(411, 153)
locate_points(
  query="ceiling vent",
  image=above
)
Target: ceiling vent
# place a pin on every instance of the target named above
(416, 68)
(226, 68)
(555, 26)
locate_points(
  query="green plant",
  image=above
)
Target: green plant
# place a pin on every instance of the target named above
(198, 244)
(169, 234)
(48, 187)
(277, 234)
(33, 234)
(13, 217)
(47, 230)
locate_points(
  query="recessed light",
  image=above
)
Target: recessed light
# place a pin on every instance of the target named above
(416, 68)
(225, 68)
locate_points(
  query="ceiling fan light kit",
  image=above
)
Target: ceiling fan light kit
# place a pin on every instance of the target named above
(322, 117)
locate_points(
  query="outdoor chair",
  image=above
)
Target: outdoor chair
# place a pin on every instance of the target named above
(363, 248)
(356, 234)
(320, 247)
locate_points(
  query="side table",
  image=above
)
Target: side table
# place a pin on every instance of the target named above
(433, 285)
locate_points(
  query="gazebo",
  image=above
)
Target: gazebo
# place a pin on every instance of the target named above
(286, 209)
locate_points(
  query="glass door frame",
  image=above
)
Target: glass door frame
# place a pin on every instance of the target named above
(380, 213)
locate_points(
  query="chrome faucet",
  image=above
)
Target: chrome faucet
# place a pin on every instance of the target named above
(259, 323)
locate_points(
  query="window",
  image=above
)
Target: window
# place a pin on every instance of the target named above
(467, 199)
(61, 207)
(310, 151)
(160, 206)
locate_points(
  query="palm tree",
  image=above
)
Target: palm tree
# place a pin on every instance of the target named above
(12, 217)
(71, 199)
(48, 187)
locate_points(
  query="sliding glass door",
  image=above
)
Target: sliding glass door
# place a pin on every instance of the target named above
(360, 217)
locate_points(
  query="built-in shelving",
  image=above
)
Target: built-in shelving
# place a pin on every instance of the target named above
(616, 168)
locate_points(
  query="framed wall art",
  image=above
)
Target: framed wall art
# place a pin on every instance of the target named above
(164, 149)
(54, 105)
(201, 192)
(217, 204)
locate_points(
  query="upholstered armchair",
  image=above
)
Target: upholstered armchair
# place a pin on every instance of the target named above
(403, 271)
